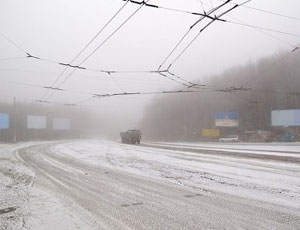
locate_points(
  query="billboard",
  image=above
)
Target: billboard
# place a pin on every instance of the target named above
(210, 132)
(4, 121)
(227, 119)
(36, 122)
(61, 124)
(285, 118)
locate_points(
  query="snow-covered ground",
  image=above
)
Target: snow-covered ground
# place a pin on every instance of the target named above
(275, 149)
(86, 185)
(262, 179)
(23, 206)
(15, 179)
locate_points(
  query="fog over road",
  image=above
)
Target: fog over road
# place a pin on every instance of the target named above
(108, 185)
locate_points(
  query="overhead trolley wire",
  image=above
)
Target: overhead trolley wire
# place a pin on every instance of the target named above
(30, 56)
(107, 39)
(200, 32)
(189, 30)
(13, 43)
(87, 45)
(204, 14)
(102, 43)
(273, 13)
(202, 5)
(165, 75)
(144, 93)
(44, 87)
(231, 89)
(268, 12)
(11, 59)
(164, 72)
(263, 30)
(69, 65)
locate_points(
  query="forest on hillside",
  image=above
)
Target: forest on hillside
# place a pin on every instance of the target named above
(271, 83)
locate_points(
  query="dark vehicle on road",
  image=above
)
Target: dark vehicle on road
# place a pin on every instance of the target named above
(132, 136)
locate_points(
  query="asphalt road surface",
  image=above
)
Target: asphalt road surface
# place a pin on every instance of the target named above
(135, 187)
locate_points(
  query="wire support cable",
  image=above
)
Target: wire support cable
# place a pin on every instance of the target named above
(67, 65)
(189, 30)
(204, 14)
(263, 31)
(100, 45)
(200, 32)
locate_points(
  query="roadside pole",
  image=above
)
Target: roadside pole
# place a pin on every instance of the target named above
(15, 122)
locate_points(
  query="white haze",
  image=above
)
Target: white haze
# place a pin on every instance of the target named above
(59, 29)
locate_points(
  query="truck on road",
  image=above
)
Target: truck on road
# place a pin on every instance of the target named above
(132, 136)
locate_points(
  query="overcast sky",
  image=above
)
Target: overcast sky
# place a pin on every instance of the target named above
(58, 29)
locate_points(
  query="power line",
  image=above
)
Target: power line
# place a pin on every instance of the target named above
(267, 11)
(162, 73)
(273, 13)
(86, 46)
(204, 14)
(146, 93)
(268, 34)
(11, 59)
(103, 43)
(231, 89)
(202, 5)
(13, 43)
(263, 28)
(200, 32)
(44, 87)
(189, 30)
(165, 73)
(69, 65)
(21, 83)
(107, 39)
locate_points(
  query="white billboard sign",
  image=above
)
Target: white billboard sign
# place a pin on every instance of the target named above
(61, 124)
(36, 122)
(286, 118)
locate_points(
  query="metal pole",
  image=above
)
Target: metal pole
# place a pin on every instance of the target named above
(15, 122)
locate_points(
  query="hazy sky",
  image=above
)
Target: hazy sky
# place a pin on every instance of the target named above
(59, 29)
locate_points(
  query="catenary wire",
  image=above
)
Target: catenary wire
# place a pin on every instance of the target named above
(101, 44)
(189, 30)
(88, 44)
(200, 32)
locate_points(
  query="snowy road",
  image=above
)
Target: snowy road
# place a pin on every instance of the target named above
(108, 185)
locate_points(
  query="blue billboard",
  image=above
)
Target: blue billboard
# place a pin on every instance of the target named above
(230, 119)
(4, 121)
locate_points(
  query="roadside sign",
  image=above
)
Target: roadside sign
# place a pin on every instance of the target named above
(61, 124)
(227, 119)
(36, 122)
(4, 121)
(285, 118)
(210, 132)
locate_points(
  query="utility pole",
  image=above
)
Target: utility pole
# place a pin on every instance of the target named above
(15, 122)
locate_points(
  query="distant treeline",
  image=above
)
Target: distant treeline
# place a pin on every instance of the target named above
(82, 123)
(274, 84)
